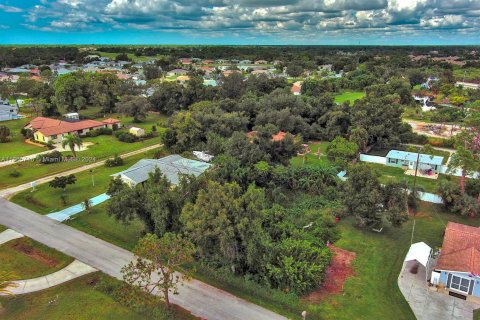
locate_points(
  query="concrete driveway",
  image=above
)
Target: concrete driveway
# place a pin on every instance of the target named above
(428, 304)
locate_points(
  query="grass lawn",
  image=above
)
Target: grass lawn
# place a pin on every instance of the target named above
(78, 299)
(398, 174)
(312, 158)
(103, 148)
(100, 225)
(373, 293)
(26, 259)
(349, 96)
(46, 199)
(16, 147)
(2, 228)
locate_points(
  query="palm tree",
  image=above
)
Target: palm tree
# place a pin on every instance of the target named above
(72, 140)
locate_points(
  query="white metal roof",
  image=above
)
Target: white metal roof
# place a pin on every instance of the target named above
(420, 252)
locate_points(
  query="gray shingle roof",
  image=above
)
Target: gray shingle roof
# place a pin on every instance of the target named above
(171, 166)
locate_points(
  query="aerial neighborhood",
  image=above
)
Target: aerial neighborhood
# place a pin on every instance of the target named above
(239, 160)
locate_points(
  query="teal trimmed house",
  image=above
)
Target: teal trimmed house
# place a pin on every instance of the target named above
(408, 161)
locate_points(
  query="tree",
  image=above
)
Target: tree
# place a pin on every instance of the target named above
(158, 263)
(372, 204)
(72, 140)
(294, 70)
(341, 151)
(61, 183)
(360, 136)
(225, 224)
(4, 134)
(122, 57)
(151, 72)
(233, 86)
(134, 106)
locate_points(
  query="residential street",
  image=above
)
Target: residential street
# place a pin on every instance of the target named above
(199, 298)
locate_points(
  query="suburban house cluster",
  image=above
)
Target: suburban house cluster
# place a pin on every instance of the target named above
(52, 130)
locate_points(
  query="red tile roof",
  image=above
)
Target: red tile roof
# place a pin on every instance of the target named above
(461, 249)
(49, 127)
(279, 136)
(111, 121)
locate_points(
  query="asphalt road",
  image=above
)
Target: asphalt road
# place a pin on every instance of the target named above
(200, 299)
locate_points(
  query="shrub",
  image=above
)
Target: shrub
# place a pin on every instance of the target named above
(51, 157)
(126, 137)
(15, 174)
(115, 162)
(27, 133)
(99, 131)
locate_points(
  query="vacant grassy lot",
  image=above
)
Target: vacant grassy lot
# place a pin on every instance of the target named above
(78, 299)
(25, 258)
(312, 158)
(349, 96)
(16, 147)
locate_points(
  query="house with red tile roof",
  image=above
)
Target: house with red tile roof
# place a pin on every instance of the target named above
(275, 137)
(459, 260)
(47, 129)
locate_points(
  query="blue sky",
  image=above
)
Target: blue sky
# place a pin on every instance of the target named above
(387, 22)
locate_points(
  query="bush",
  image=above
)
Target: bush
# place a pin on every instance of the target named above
(51, 157)
(99, 132)
(115, 162)
(126, 137)
(27, 133)
(15, 174)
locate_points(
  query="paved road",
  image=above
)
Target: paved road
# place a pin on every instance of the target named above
(7, 193)
(199, 298)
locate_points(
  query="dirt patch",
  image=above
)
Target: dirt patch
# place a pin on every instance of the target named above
(339, 270)
(26, 249)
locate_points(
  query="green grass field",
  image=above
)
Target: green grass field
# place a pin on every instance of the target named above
(398, 174)
(100, 225)
(312, 158)
(26, 259)
(349, 96)
(16, 147)
(78, 299)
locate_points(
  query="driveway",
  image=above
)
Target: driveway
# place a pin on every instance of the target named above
(428, 304)
(201, 299)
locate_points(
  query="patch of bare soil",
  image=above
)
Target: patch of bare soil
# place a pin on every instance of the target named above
(339, 270)
(28, 250)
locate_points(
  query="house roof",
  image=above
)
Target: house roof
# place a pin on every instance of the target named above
(412, 156)
(461, 249)
(171, 166)
(110, 121)
(49, 127)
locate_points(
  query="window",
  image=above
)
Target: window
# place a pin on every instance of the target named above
(54, 136)
(391, 160)
(460, 284)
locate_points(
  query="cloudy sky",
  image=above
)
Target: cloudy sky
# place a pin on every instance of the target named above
(391, 22)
